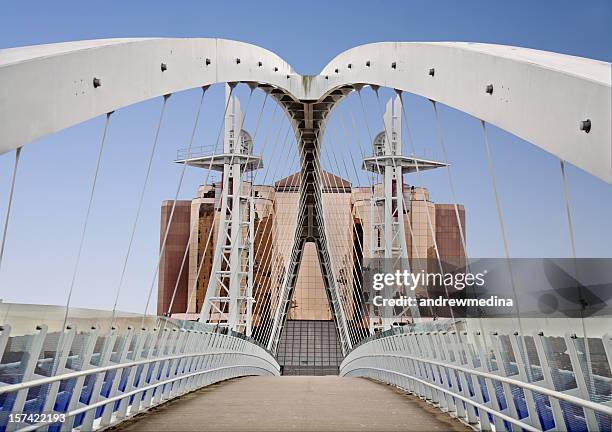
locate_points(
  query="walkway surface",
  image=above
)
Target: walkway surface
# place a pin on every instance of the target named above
(300, 403)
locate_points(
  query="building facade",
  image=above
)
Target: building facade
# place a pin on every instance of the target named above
(350, 230)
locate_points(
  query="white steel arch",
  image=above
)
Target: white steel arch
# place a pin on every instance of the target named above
(542, 97)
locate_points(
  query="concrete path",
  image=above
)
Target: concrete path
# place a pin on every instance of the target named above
(299, 403)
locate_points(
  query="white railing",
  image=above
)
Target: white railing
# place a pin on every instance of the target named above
(193, 152)
(482, 382)
(91, 380)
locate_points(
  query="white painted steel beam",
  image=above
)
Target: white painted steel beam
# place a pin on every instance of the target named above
(539, 96)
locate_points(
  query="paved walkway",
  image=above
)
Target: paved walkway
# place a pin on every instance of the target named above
(295, 404)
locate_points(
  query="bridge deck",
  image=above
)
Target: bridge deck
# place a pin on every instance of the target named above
(301, 403)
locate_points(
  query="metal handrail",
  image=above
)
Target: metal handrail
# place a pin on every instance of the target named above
(186, 153)
(532, 387)
(46, 360)
(458, 396)
(134, 392)
(70, 375)
(153, 354)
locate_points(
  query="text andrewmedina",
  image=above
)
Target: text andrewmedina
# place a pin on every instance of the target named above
(492, 301)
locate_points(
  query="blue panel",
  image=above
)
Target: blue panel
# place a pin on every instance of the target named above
(573, 416)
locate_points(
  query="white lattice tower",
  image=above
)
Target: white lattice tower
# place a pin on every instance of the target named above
(387, 204)
(229, 296)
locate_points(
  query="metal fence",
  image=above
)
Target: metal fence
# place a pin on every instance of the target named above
(499, 382)
(88, 379)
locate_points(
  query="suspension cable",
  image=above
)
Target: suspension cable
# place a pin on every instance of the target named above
(178, 189)
(193, 293)
(141, 200)
(404, 209)
(256, 288)
(142, 194)
(258, 332)
(428, 216)
(570, 226)
(319, 215)
(500, 217)
(282, 257)
(194, 226)
(268, 244)
(318, 171)
(333, 247)
(566, 202)
(427, 213)
(87, 213)
(371, 179)
(358, 331)
(357, 249)
(372, 187)
(292, 257)
(451, 183)
(10, 203)
(169, 223)
(199, 267)
(327, 258)
(455, 201)
(191, 139)
(261, 330)
(372, 175)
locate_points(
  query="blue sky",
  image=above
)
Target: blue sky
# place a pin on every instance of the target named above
(55, 175)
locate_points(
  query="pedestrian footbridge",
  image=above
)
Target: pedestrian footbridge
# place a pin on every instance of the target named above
(176, 378)
(212, 365)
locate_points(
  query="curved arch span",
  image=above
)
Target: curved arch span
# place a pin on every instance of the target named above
(541, 97)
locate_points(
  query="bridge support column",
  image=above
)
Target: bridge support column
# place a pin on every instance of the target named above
(229, 300)
(389, 209)
(310, 221)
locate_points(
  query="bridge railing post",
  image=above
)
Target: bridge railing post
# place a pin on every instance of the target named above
(502, 370)
(464, 379)
(445, 355)
(97, 380)
(107, 410)
(582, 382)
(27, 367)
(59, 366)
(89, 344)
(115, 374)
(486, 385)
(473, 378)
(524, 374)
